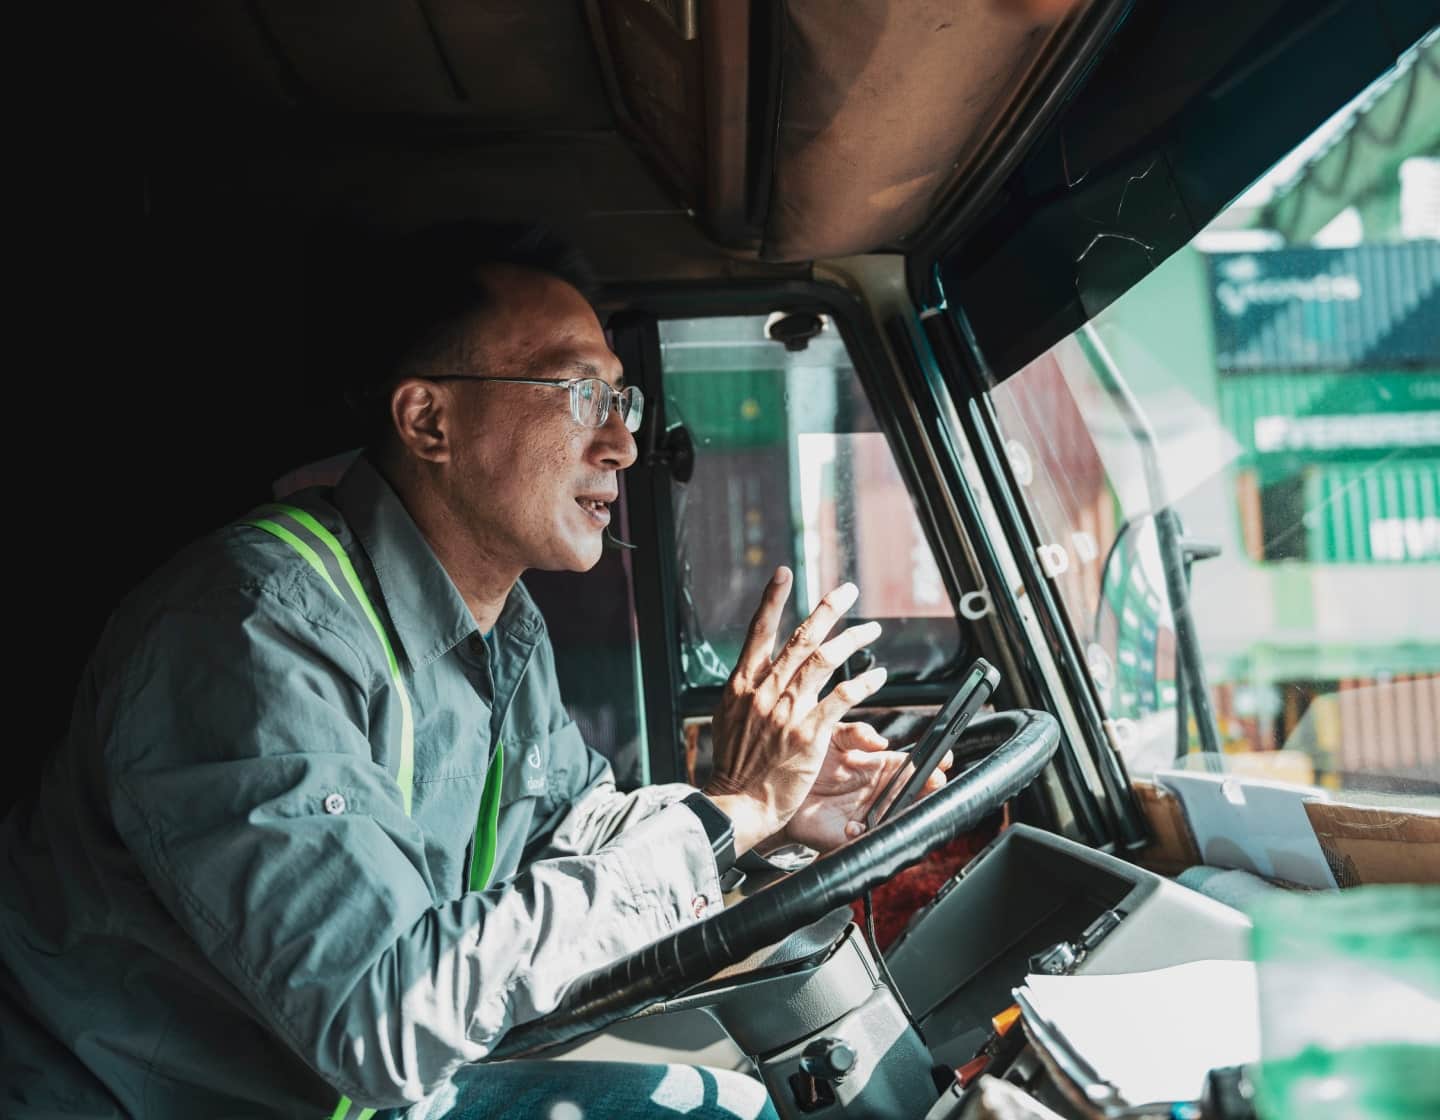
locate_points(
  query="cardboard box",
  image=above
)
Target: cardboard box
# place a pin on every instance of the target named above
(1377, 843)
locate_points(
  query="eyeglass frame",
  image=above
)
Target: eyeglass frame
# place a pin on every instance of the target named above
(572, 384)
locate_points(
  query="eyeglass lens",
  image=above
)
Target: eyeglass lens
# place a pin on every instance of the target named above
(592, 403)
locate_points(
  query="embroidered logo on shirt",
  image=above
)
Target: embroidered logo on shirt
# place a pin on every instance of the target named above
(534, 770)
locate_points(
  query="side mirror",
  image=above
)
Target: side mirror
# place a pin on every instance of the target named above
(675, 451)
(795, 331)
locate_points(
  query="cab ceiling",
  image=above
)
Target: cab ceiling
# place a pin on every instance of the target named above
(671, 138)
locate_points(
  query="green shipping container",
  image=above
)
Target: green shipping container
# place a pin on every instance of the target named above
(1384, 513)
(730, 409)
(1293, 421)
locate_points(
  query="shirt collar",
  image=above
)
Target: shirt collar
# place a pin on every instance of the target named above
(428, 613)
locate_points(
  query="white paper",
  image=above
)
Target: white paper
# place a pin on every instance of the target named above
(1155, 1035)
(1254, 824)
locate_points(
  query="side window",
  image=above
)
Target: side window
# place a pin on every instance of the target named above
(791, 468)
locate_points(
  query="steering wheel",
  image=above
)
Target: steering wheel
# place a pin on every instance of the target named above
(666, 968)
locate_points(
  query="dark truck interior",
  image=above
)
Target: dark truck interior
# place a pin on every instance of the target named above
(702, 155)
(955, 185)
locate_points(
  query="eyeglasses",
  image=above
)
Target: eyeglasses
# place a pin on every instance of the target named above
(590, 397)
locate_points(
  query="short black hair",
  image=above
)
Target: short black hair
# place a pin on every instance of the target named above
(388, 301)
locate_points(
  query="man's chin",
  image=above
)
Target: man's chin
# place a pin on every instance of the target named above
(576, 556)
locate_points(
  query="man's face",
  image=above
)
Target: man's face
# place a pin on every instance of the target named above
(532, 487)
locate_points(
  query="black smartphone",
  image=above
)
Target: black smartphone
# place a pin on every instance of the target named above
(942, 734)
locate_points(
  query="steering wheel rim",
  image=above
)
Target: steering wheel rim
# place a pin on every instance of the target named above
(689, 956)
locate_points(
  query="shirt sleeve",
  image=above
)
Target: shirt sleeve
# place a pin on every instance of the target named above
(587, 811)
(590, 812)
(601, 815)
(241, 777)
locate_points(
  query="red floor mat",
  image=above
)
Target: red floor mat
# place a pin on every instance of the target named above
(902, 896)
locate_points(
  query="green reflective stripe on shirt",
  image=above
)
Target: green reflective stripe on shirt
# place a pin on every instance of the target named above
(405, 777)
(299, 546)
(482, 862)
(342, 1111)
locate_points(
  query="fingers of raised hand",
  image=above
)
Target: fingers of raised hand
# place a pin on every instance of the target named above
(760, 640)
(820, 666)
(845, 696)
(810, 633)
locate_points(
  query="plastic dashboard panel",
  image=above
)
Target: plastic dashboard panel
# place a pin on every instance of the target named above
(961, 955)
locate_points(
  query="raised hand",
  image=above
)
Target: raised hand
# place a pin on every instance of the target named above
(771, 732)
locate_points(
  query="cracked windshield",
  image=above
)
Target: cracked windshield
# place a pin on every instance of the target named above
(1276, 386)
(791, 468)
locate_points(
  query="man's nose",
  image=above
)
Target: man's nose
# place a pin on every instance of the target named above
(614, 444)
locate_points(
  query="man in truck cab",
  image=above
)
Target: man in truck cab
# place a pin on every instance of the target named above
(322, 832)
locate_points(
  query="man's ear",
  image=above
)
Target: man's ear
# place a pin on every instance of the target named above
(420, 413)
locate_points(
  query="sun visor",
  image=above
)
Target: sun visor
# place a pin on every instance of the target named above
(883, 105)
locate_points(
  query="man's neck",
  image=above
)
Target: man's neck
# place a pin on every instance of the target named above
(484, 581)
(484, 590)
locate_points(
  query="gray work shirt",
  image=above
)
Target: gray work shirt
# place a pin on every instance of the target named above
(217, 906)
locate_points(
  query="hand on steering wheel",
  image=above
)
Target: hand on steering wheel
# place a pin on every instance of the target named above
(856, 766)
(1023, 742)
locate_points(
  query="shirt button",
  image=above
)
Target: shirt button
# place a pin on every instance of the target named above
(335, 804)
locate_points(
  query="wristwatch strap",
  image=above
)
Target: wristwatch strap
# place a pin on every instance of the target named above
(718, 827)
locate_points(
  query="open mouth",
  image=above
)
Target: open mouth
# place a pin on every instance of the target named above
(598, 509)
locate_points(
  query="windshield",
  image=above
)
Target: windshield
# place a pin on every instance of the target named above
(1276, 385)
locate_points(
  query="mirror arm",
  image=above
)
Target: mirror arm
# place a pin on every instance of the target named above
(1189, 665)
